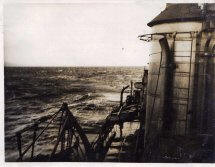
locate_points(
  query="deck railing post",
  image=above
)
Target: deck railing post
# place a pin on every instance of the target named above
(63, 141)
(121, 95)
(131, 88)
(34, 139)
(19, 144)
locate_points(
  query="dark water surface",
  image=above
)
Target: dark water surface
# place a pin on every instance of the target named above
(35, 92)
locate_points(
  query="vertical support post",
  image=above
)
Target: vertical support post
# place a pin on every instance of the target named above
(68, 139)
(71, 136)
(120, 128)
(64, 132)
(34, 139)
(19, 144)
(61, 122)
(63, 141)
(121, 95)
(121, 98)
(131, 88)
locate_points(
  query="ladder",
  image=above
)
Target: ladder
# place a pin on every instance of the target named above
(183, 101)
(186, 99)
(119, 151)
(113, 154)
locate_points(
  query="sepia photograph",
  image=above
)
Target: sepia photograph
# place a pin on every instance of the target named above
(109, 81)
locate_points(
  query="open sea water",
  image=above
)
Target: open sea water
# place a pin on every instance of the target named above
(35, 92)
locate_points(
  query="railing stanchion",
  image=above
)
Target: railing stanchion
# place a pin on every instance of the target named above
(34, 139)
(63, 141)
(19, 144)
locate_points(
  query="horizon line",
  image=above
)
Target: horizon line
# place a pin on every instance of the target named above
(80, 66)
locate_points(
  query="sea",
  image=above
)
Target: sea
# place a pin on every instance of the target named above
(32, 93)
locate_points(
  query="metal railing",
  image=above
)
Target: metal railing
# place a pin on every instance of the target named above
(34, 127)
(68, 124)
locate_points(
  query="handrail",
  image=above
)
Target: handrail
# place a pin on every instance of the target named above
(70, 123)
(121, 94)
(100, 135)
(165, 33)
(18, 134)
(148, 37)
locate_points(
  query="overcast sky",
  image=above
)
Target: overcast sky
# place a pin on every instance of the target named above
(77, 34)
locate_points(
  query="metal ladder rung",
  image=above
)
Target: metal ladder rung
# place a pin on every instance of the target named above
(182, 56)
(183, 40)
(182, 75)
(179, 98)
(180, 88)
(154, 73)
(136, 120)
(152, 94)
(182, 72)
(181, 104)
(181, 120)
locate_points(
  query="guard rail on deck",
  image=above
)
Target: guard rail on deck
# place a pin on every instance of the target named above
(69, 124)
